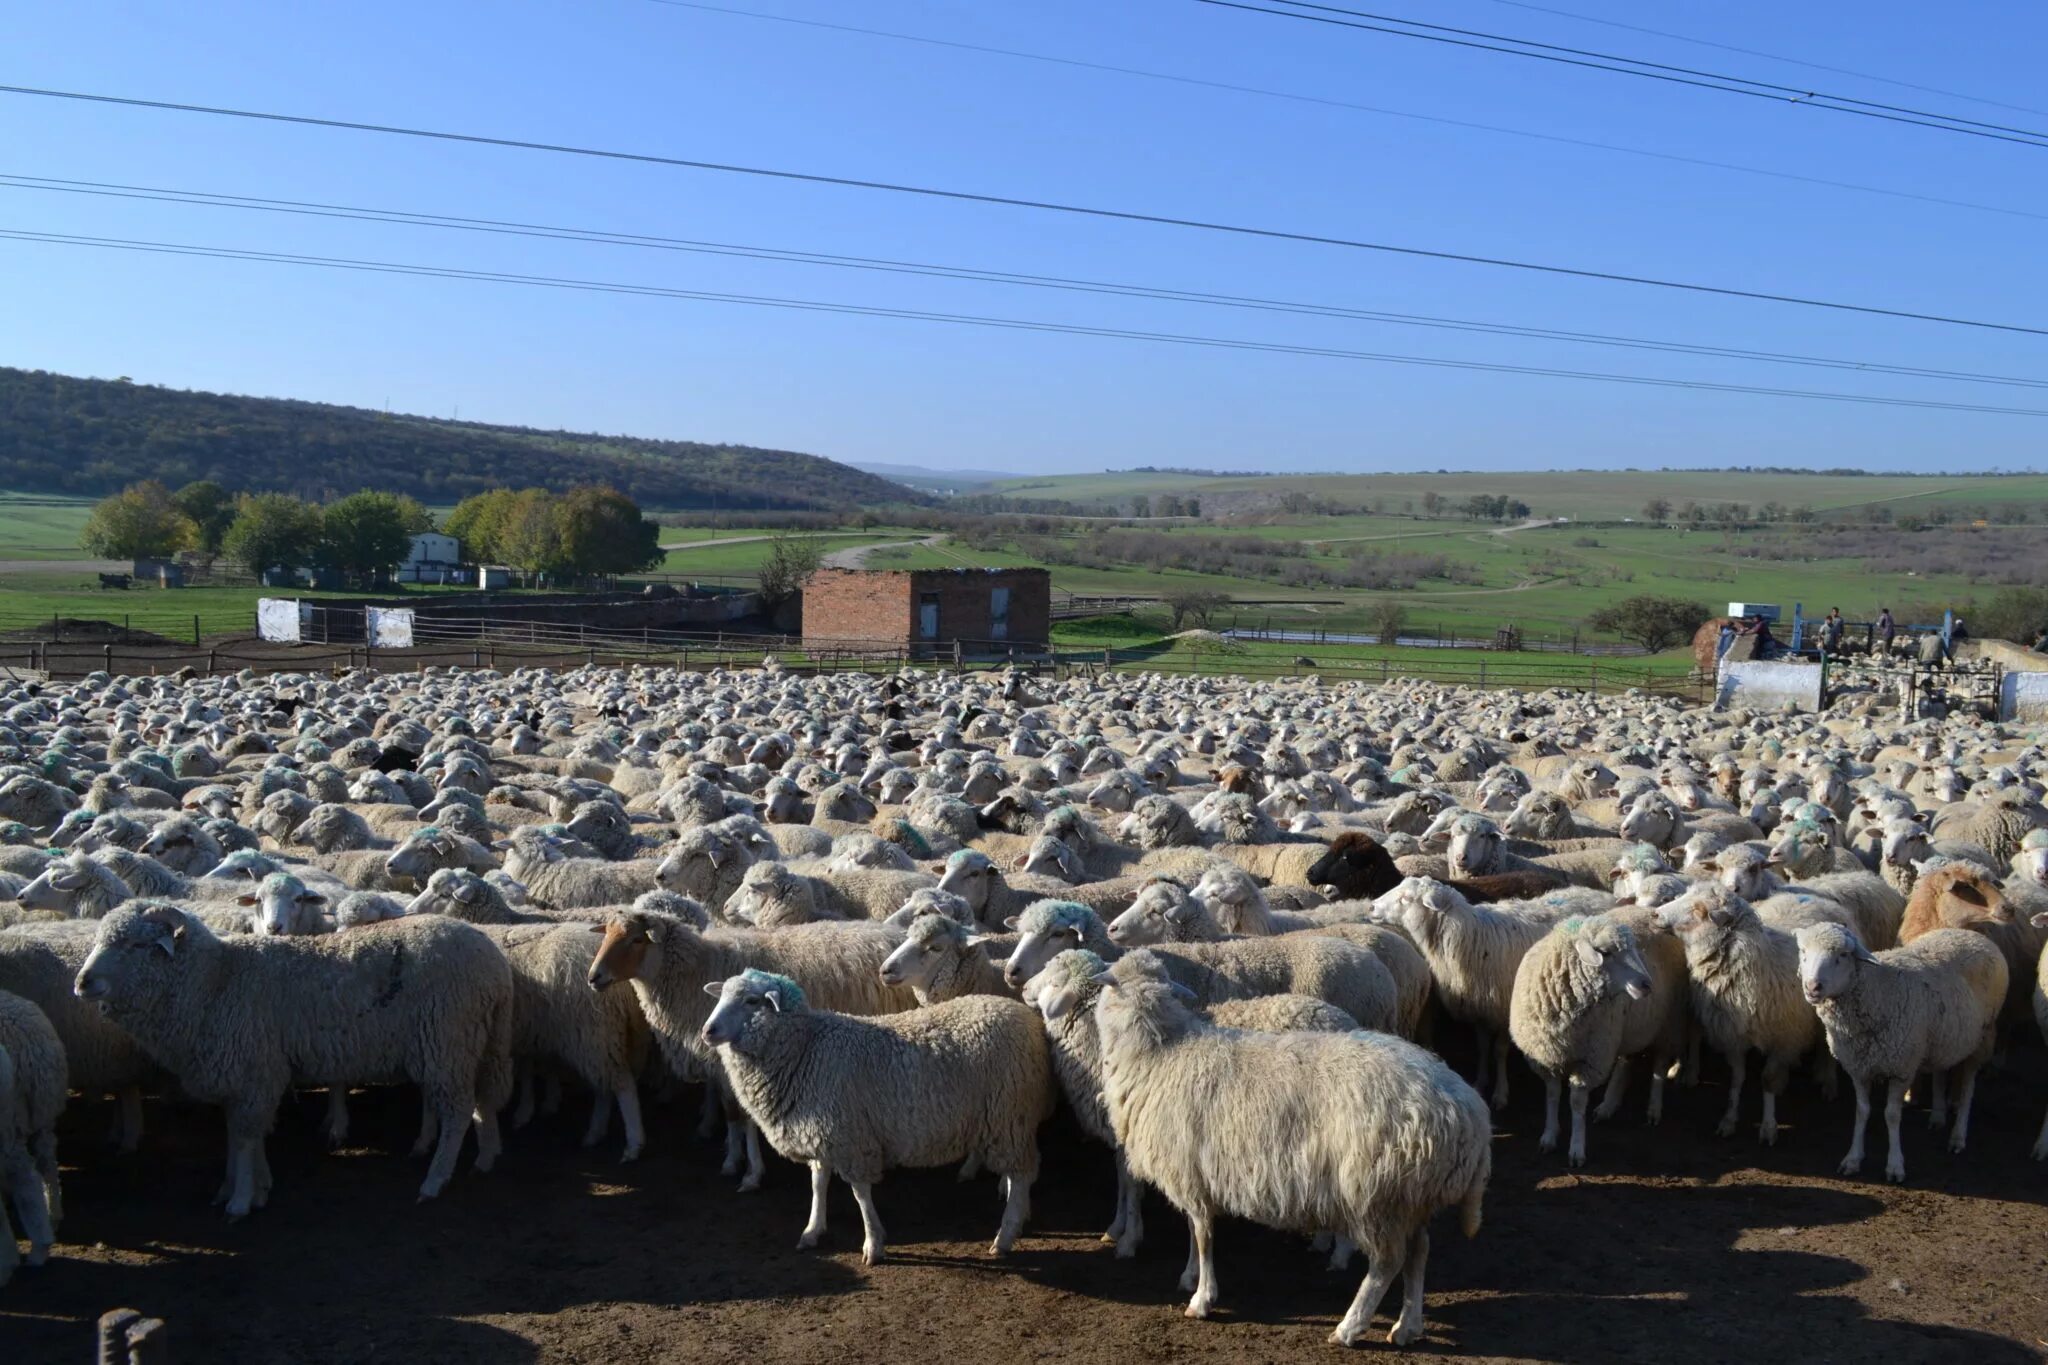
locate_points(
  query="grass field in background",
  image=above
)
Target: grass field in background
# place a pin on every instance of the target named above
(1586, 495)
(35, 526)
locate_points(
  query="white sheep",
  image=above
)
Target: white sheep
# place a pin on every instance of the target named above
(966, 1080)
(1930, 1005)
(1588, 996)
(941, 959)
(32, 1091)
(1745, 993)
(237, 1019)
(1382, 1136)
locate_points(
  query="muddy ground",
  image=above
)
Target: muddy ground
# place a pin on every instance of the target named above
(1673, 1246)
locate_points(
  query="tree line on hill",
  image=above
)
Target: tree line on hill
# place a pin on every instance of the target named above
(584, 532)
(60, 434)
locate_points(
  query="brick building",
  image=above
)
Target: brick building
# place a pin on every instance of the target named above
(983, 609)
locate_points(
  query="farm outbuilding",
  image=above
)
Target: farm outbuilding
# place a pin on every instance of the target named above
(980, 609)
(432, 558)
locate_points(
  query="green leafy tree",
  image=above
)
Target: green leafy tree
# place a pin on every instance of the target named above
(211, 510)
(1656, 623)
(603, 532)
(531, 538)
(274, 531)
(791, 560)
(479, 524)
(139, 522)
(1657, 509)
(366, 534)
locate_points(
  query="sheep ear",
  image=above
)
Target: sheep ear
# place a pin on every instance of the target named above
(1104, 980)
(245, 900)
(2040, 921)
(1011, 922)
(468, 893)
(714, 989)
(774, 1002)
(1588, 954)
(1182, 991)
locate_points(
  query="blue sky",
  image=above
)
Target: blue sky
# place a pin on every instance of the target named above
(642, 75)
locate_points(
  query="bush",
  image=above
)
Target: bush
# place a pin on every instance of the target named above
(1199, 603)
(2016, 614)
(791, 560)
(1655, 623)
(1389, 619)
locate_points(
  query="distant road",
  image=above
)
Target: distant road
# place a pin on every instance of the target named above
(65, 566)
(856, 556)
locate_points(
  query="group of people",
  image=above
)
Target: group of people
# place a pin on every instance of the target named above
(1831, 626)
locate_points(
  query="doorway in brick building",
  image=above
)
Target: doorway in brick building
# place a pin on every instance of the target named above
(999, 614)
(928, 616)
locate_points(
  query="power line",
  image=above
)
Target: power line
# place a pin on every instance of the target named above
(1634, 66)
(979, 274)
(1010, 201)
(984, 320)
(1771, 56)
(1381, 110)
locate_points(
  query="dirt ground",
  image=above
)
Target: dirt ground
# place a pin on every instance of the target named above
(1672, 1246)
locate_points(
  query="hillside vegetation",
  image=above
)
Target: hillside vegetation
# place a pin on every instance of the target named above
(92, 436)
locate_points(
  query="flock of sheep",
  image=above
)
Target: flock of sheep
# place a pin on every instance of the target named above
(899, 921)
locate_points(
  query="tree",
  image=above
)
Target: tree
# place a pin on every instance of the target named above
(531, 537)
(479, 524)
(1432, 503)
(1389, 618)
(1655, 623)
(273, 531)
(2017, 614)
(1196, 602)
(791, 559)
(210, 508)
(1657, 509)
(603, 532)
(366, 534)
(139, 522)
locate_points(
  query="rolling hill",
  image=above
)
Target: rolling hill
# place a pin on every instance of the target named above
(60, 434)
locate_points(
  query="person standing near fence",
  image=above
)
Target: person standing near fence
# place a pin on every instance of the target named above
(1886, 629)
(1831, 631)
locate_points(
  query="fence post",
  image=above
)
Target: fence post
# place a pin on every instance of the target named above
(211, 656)
(1594, 674)
(1482, 672)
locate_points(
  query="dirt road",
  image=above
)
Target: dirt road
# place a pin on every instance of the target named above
(1672, 1247)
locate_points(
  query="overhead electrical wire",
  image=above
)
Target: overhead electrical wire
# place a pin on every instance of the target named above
(1038, 205)
(1327, 102)
(1394, 26)
(978, 274)
(984, 320)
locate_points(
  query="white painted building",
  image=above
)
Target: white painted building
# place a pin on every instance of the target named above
(434, 558)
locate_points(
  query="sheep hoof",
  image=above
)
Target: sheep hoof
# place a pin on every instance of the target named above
(1767, 1134)
(871, 1254)
(38, 1254)
(1547, 1143)
(2041, 1150)
(1112, 1237)
(1344, 1336)
(1955, 1144)
(1725, 1128)
(630, 1154)
(1198, 1308)
(999, 1247)
(1895, 1172)
(1576, 1159)
(1404, 1333)
(1850, 1166)
(1126, 1248)
(807, 1241)
(751, 1183)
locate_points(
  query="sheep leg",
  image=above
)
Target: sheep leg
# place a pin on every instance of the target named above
(628, 1096)
(600, 1120)
(969, 1168)
(241, 1176)
(1576, 1155)
(1341, 1252)
(1689, 1069)
(872, 1237)
(1203, 1230)
(335, 1130)
(821, 1182)
(2041, 1142)
(489, 1143)
(1408, 1326)
(1937, 1112)
(1378, 1279)
(1653, 1113)
(1853, 1162)
(1483, 1049)
(1617, 1084)
(130, 1128)
(1826, 1074)
(1188, 1273)
(45, 1148)
(1894, 1109)
(37, 1221)
(429, 1127)
(756, 1167)
(1738, 1063)
(1548, 1142)
(1776, 1071)
(1501, 1043)
(10, 1253)
(522, 1112)
(1016, 1208)
(453, 1117)
(707, 1118)
(1966, 1091)
(1129, 1229)
(260, 1163)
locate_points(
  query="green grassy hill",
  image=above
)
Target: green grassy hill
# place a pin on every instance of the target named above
(91, 436)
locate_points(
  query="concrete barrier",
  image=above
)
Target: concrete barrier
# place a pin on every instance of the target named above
(2023, 697)
(1768, 686)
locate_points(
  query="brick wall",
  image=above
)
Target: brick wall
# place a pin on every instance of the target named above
(883, 606)
(858, 605)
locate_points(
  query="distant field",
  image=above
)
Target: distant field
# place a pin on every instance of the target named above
(33, 526)
(1590, 495)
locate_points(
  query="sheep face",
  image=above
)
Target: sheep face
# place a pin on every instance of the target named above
(1650, 821)
(58, 888)
(972, 876)
(1161, 913)
(1610, 950)
(1477, 849)
(1830, 956)
(745, 998)
(284, 906)
(1227, 893)
(932, 940)
(136, 958)
(1051, 858)
(1044, 931)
